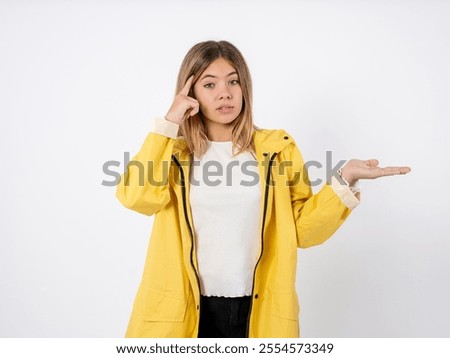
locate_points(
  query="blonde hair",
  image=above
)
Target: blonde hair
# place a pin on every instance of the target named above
(193, 129)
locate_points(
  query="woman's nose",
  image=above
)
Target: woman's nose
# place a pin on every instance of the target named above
(224, 92)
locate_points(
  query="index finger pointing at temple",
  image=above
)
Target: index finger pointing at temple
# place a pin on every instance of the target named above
(187, 86)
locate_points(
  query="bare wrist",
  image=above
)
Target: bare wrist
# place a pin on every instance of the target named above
(349, 180)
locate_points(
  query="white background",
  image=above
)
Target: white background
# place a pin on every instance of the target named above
(80, 81)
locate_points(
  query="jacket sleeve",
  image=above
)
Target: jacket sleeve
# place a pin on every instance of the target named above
(144, 186)
(317, 216)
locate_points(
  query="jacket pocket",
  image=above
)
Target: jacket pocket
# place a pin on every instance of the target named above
(285, 305)
(162, 308)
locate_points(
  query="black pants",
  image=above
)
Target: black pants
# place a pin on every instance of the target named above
(224, 317)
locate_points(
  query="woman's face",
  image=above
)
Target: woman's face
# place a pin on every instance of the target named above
(219, 93)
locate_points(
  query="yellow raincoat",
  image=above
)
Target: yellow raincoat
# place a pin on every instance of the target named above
(156, 181)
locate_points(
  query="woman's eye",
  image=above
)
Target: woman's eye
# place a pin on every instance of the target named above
(234, 82)
(208, 85)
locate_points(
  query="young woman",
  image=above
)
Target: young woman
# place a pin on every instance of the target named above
(232, 204)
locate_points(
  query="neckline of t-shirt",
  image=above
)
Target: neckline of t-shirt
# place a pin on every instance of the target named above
(220, 143)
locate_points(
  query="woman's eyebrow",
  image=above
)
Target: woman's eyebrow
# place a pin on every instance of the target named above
(207, 75)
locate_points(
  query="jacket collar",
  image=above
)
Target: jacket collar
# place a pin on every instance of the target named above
(271, 140)
(266, 141)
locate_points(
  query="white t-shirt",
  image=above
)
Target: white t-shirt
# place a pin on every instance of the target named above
(225, 195)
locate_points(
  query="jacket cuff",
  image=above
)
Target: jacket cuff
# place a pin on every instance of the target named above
(345, 194)
(164, 127)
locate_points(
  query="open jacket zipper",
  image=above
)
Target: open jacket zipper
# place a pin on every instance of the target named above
(183, 189)
(266, 194)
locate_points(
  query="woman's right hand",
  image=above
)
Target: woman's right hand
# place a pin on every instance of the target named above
(183, 106)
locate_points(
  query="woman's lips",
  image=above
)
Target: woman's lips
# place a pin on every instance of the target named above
(225, 109)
